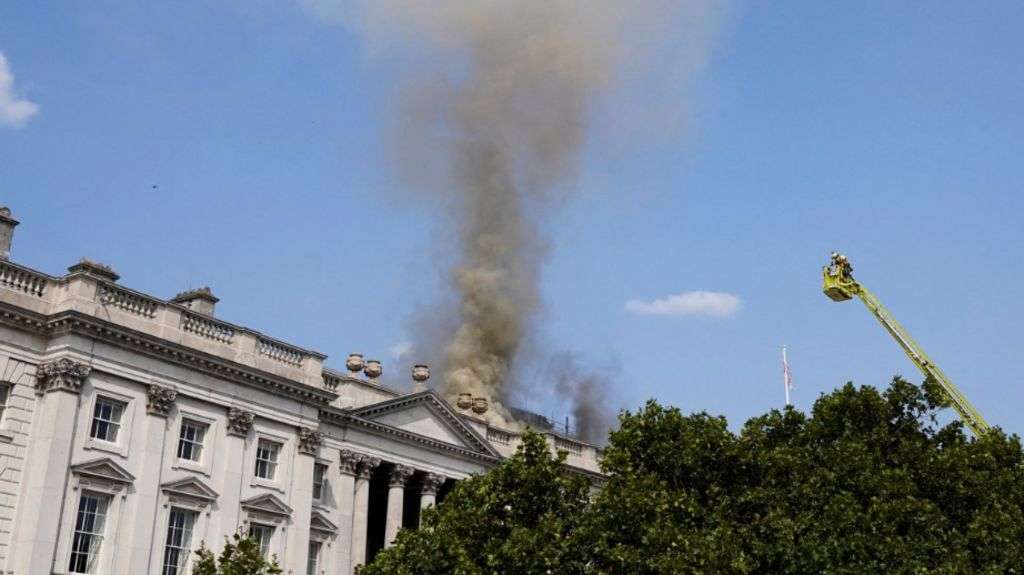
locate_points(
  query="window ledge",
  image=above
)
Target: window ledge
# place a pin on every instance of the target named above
(186, 465)
(266, 483)
(101, 445)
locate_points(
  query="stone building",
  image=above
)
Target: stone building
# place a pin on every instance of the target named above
(132, 428)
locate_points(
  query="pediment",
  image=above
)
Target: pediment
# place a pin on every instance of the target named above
(319, 522)
(105, 468)
(190, 487)
(267, 503)
(425, 414)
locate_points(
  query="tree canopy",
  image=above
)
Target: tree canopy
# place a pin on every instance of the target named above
(241, 557)
(868, 482)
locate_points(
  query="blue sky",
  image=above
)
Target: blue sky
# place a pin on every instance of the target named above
(890, 131)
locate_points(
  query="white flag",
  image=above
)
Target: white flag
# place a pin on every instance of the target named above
(787, 377)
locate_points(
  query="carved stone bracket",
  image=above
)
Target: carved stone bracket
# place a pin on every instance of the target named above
(63, 374)
(399, 475)
(348, 461)
(160, 399)
(310, 440)
(432, 482)
(240, 421)
(366, 466)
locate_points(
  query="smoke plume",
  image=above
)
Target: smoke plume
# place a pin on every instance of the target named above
(494, 118)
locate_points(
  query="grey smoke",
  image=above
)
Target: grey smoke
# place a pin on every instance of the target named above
(494, 117)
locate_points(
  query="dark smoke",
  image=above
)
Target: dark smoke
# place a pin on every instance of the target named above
(494, 120)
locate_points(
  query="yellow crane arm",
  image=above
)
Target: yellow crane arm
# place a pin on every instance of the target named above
(839, 285)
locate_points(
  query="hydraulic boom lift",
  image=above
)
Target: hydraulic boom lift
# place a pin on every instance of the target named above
(840, 286)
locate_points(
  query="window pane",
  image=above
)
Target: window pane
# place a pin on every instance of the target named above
(314, 558)
(190, 440)
(262, 534)
(106, 420)
(319, 470)
(266, 459)
(85, 546)
(179, 541)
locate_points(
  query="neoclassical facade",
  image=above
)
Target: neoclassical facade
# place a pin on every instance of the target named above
(133, 429)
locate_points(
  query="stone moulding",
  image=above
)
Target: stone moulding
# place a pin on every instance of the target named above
(399, 475)
(63, 374)
(366, 465)
(160, 399)
(310, 441)
(432, 482)
(240, 421)
(89, 326)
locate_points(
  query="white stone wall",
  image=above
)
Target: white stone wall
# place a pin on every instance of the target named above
(15, 425)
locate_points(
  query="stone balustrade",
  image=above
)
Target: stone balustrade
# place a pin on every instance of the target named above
(92, 289)
(501, 437)
(208, 328)
(281, 352)
(130, 301)
(24, 280)
(571, 446)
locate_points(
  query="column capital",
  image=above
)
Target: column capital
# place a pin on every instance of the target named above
(432, 482)
(399, 475)
(310, 440)
(240, 421)
(348, 461)
(160, 399)
(366, 466)
(62, 374)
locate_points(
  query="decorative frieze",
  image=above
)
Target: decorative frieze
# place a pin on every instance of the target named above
(160, 399)
(366, 466)
(432, 482)
(310, 440)
(240, 421)
(63, 374)
(400, 475)
(348, 461)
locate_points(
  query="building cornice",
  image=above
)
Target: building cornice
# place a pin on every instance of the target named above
(78, 323)
(344, 418)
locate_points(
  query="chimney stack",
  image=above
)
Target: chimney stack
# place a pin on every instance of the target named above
(7, 224)
(201, 301)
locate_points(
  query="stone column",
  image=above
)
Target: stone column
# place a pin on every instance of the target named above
(360, 507)
(344, 496)
(400, 474)
(302, 499)
(137, 538)
(431, 483)
(49, 454)
(239, 422)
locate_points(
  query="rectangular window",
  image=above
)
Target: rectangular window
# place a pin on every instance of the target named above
(5, 392)
(266, 459)
(190, 440)
(85, 547)
(313, 562)
(262, 534)
(319, 471)
(106, 419)
(179, 541)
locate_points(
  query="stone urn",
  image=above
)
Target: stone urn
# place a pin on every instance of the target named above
(420, 373)
(354, 363)
(465, 401)
(479, 405)
(373, 369)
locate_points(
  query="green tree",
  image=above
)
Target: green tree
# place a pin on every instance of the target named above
(242, 557)
(868, 482)
(514, 520)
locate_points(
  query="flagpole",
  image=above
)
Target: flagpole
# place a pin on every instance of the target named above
(785, 374)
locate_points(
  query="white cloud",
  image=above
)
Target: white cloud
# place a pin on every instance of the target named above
(14, 113)
(400, 349)
(710, 303)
